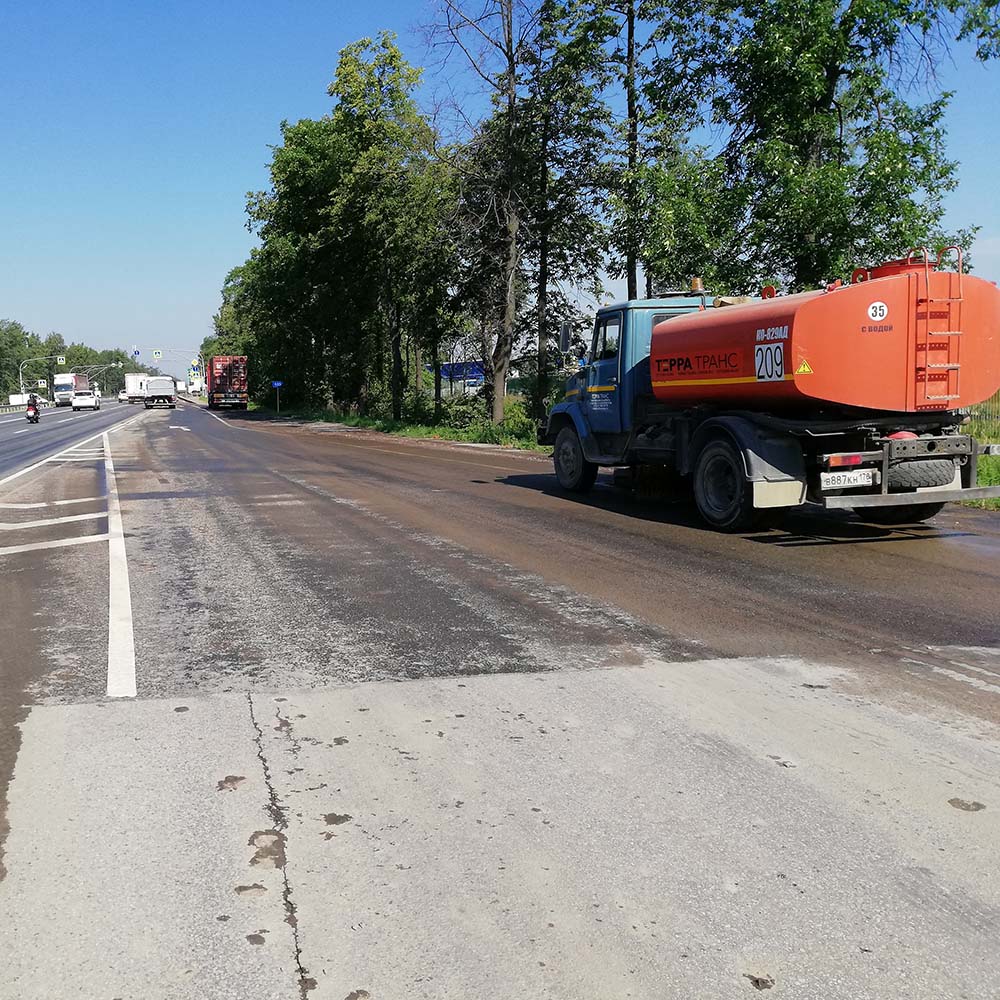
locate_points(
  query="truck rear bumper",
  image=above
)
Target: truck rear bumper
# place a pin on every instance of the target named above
(906, 499)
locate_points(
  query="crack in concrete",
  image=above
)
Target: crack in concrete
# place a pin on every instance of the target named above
(278, 816)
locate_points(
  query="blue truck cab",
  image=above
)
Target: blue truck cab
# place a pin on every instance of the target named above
(603, 399)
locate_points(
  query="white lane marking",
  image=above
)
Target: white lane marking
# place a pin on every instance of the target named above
(278, 503)
(54, 503)
(177, 427)
(64, 420)
(214, 416)
(59, 543)
(69, 518)
(14, 420)
(25, 431)
(965, 679)
(121, 638)
(74, 458)
(93, 437)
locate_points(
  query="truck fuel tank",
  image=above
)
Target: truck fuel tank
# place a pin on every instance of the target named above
(905, 336)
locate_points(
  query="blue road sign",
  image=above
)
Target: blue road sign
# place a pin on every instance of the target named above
(277, 385)
(135, 354)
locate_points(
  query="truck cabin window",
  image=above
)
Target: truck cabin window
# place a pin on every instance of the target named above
(607, 335)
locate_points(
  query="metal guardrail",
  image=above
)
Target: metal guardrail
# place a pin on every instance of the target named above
(20, 408)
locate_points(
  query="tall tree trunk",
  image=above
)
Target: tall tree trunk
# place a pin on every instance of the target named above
(418, 382)
(632, 212)
(512, 220)
(542, 297)
(397, 363)
(437, 382)
(505, 341)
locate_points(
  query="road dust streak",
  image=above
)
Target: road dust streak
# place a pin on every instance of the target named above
(121, 639)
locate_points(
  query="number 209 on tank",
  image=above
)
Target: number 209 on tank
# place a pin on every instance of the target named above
(769, 362)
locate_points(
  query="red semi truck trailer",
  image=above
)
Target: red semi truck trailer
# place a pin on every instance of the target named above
(227, 382)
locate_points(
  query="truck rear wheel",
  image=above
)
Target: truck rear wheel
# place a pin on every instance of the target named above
(721, 491)
(573, 470)
(911, 513)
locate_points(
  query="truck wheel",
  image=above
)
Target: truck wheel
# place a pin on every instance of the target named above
(721, 491)
(573, 470)
(910, 513)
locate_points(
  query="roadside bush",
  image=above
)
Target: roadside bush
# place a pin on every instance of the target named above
(463, 410)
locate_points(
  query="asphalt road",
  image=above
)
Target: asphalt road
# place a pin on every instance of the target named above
(22, 444)
(309, 712)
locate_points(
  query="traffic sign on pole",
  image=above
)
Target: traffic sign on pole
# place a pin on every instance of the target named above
(157, 355)
(60, 359)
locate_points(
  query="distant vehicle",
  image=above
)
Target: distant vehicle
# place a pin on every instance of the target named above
(160, 391)
(135, 386)
(196, 386)
(66, 384)
(227, 382)
(123, 396)
(182, 387)
(86, 400)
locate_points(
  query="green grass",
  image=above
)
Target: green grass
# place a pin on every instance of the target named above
(985, 429)
(519, 436)
(989, 475)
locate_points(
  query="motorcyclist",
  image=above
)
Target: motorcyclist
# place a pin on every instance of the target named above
(33, 404)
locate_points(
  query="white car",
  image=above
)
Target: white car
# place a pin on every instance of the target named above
(123, 396)
(86, 400)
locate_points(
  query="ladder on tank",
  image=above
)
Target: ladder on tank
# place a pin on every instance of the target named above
(938, 365)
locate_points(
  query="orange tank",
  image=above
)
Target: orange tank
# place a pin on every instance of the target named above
(904, 337)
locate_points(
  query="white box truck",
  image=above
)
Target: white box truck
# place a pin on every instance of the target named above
(135, 386)
(160, 391)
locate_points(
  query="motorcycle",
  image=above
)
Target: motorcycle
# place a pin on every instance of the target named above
(32, 414)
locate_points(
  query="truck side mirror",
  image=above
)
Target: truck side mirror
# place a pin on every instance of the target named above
(564, 334)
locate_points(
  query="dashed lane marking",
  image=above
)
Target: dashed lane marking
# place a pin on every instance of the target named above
(121, 637)
(59, 543)
(69, 518)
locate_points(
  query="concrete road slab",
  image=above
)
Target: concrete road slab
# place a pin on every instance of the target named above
(675, 830)
(135, 862)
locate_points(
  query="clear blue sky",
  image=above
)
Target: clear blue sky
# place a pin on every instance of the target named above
(131, 132)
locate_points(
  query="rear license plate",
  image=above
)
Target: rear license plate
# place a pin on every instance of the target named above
(844, 480)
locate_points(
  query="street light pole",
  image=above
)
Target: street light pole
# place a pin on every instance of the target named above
(28, 361)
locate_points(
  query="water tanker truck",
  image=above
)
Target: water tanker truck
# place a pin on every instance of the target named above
(850, 397)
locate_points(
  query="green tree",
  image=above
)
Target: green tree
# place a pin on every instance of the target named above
(566, 122)
(826, 164)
